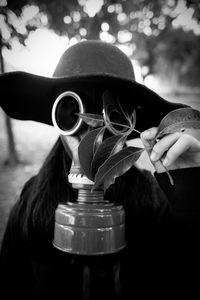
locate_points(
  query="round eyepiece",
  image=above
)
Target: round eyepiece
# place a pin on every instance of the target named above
(65, 112)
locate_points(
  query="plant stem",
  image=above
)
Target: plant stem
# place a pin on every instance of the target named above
(117, 124)
(136, 130)
(168, 173)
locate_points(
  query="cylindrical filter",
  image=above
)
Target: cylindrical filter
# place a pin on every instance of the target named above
(89, 228)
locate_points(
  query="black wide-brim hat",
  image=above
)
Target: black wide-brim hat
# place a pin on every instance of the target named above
(26, 96)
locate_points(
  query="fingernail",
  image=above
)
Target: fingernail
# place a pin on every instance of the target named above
(145, 134)
(165, 162)
(153, 156)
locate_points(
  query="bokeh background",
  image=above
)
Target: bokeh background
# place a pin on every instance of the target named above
(162, 39)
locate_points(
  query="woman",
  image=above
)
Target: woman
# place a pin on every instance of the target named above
(161, 258)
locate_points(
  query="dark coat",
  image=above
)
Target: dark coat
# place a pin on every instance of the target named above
(161, 260)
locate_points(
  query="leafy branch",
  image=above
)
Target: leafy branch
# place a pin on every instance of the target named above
(103, 159)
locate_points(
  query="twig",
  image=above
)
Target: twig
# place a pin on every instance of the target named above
(168, 174)
(118, 124)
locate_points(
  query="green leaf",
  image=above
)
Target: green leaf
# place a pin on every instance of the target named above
(92, 120)
(116, 166)
(132, 119)
(104, 152)
(99, 139)
(119, 145)
(85, 151)
(178, 120)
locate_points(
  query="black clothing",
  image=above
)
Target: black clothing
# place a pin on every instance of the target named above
(161, 260)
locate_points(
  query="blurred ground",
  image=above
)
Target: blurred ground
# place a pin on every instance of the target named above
(33, 141)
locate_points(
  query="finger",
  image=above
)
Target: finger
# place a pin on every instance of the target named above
(163, 145)
(147, 138)
(183, 144)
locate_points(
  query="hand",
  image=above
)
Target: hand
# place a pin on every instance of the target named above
(175, 151)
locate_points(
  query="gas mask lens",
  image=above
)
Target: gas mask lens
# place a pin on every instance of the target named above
(65, 112)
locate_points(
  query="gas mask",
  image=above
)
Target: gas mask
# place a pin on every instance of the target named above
(91, 225)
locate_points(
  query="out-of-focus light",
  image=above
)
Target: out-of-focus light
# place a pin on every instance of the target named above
(137, 71)
(141, 25)
(111, 9)
(4, 30)
(122, 17)
(92, 7)
(82, 2)
(29, 12)
(41, 54)
(44, 19)
(13, 19)
(67, 19)
(153, 83)
(105, 26)
(155, 20)
(73, 41)
(132, 15)
(118, 8)
(30, 15)
(107, 37)
(147, 23)
(171, 3)
(186, 21)
(21, 29)
(180, 8)
(144, 70)
(127, 49)
(124, 36)
(147, 31)
(138, 14)
(83, 32)
(133, 27)
(3, 2)
(149, 14)
(76, 16)
(161, 25)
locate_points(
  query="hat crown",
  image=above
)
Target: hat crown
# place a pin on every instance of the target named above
(94, 58)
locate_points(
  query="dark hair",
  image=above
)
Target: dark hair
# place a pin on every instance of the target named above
(136, 190)
(41, 194)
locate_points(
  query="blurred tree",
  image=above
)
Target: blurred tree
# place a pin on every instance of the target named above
(124, 22)
(145, 27)
(175, 57)
(12, 156)
(196, 5)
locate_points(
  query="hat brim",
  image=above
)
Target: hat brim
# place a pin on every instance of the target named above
(26, 96)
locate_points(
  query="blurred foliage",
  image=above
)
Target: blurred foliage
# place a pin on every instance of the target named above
(175, 55)
(196, 5)
(144, 26)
